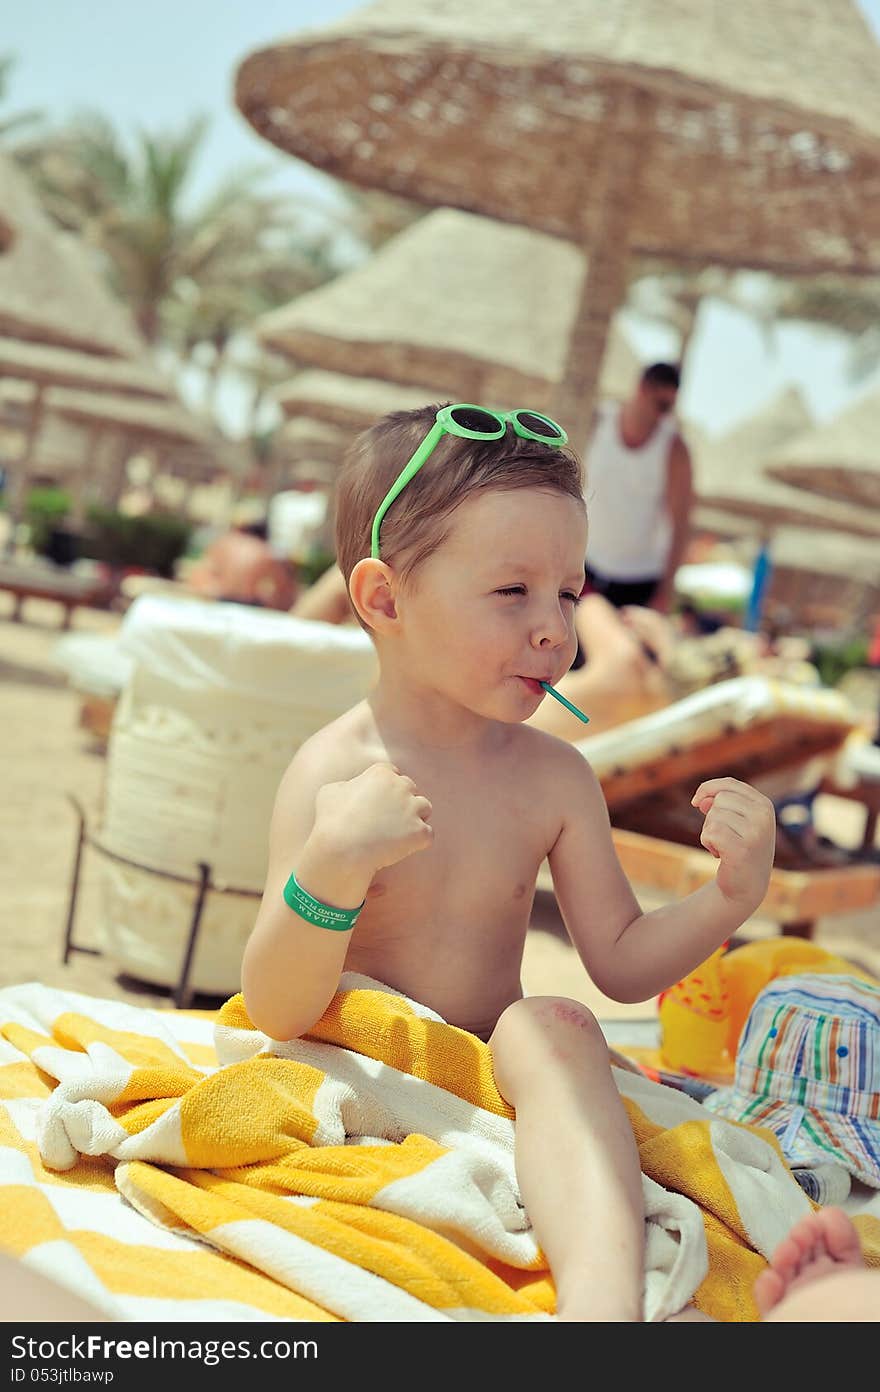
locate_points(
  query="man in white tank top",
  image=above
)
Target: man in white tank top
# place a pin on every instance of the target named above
(639, 491)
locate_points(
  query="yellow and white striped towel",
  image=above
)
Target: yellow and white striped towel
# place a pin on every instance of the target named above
(181, 1165)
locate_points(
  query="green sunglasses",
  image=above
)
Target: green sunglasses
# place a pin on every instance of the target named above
(468, 422)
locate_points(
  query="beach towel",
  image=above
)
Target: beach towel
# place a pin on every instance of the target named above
(175, 1165)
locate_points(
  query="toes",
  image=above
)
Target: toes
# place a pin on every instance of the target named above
(840, 1236)
(768, 1290)
(808, 1238)
(788, 1257)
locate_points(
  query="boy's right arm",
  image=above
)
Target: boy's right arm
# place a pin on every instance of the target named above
(334, 837)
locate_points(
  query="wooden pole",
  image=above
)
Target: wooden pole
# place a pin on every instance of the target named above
(606, 250)
(84, 475)
(22, 467)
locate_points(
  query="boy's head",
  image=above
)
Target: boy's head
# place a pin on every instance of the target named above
(421, 517)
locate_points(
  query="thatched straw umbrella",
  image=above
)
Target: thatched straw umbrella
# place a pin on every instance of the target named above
(122, 402)
(839, 460)
(116, 427)
(47, 366)
(63, 329)
(730, 481)
(346, 402)
(303, 440)
(464, 306)
(744, 134)
(825, 579)
(50, 290)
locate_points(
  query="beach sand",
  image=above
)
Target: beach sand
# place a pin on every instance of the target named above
(45, 755)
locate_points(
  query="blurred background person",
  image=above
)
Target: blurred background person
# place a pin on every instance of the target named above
(639, 488)
(242, 567)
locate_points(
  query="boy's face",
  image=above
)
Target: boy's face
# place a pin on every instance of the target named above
(491, 613)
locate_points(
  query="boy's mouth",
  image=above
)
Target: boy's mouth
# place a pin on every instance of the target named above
(534, 685)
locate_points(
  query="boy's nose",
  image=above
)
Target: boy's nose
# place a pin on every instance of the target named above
(552, 630)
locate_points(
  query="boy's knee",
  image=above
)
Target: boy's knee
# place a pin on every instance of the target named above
(539, 1030)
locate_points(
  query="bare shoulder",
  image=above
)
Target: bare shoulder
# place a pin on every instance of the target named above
(559, 765)
(338, 751)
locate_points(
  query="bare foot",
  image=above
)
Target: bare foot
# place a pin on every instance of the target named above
(817, 1246)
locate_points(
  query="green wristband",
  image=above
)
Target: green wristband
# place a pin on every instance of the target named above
(313, 911)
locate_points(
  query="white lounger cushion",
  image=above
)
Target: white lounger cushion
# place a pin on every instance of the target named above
(724, 708)
(219, 698)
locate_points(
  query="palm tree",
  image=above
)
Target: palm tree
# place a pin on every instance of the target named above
(188, 274)
(835, 304)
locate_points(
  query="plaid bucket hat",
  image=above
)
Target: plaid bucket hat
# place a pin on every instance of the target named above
(808, 1069)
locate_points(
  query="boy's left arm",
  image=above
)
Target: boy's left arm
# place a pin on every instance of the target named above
(632, 956)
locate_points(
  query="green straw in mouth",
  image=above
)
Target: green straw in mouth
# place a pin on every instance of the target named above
(562, 701)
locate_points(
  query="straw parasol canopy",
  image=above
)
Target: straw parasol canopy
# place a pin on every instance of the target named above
(302, 440)
(350, 404)
(743, 134)
(86, 439)
(839, 460)
(730, 481)
(458, 305)
(50, 290)
(62, 329)
(48, 366)
(139, 419)
(129, 404)
(308, 449)
(827, 580)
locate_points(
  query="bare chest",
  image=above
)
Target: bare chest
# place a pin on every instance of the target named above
(488, 845)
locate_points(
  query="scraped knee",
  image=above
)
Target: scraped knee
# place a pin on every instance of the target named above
(542, 1032)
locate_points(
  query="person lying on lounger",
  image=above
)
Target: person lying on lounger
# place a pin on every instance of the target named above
(407, 834)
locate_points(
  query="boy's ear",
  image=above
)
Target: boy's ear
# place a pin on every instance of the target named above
(371, 586)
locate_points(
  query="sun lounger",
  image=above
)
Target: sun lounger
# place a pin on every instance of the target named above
(67, 588)
(218, 698)
(780, 737)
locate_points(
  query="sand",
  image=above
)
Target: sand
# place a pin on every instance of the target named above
(46, 756)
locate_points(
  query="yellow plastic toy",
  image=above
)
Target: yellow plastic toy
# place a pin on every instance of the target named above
(695, 1022)
(702, 1016)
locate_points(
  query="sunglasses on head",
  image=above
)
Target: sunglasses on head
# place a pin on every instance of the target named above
(468, 422)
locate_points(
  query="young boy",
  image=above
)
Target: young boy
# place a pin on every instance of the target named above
(426, 811)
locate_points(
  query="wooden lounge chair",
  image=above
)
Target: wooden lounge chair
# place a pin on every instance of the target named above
(782, 738)
(67, 588)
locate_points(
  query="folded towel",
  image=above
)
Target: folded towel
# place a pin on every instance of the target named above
(364, 1172)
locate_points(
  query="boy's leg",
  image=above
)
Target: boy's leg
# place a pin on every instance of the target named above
(818, 1274)
(576, 1157)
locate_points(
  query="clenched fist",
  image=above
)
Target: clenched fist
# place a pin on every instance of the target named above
(375, 819)
(740, 830)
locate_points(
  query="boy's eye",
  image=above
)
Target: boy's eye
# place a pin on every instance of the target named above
(521, 589)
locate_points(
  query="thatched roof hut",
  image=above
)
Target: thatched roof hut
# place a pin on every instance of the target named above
(47, 366)
(838, 460)
(349, 403)
(50, 289)
(461, 306)
(735, 495)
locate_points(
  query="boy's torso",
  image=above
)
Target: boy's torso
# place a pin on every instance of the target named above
(447, 925)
